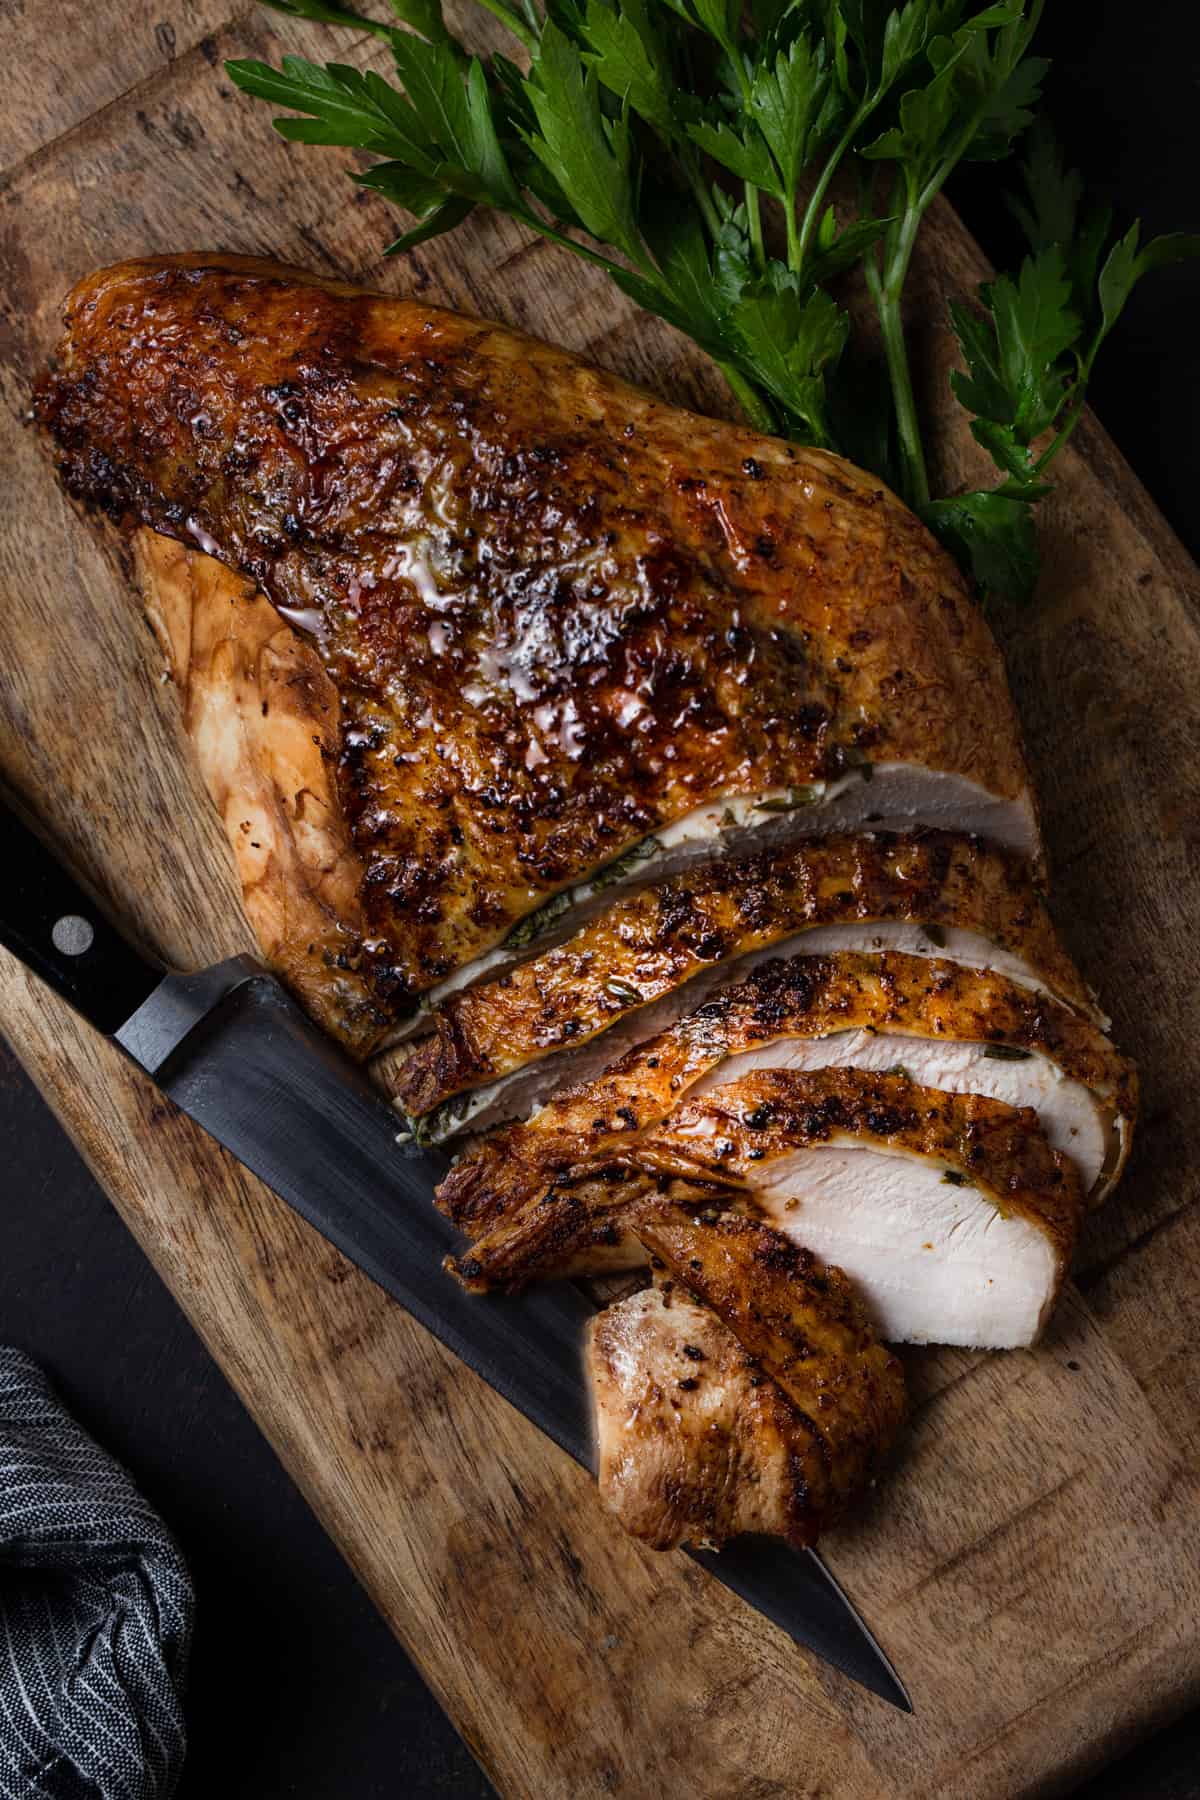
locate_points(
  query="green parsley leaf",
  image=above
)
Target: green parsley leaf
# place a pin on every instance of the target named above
(686, 291)
(1126, 265)
(983, 390)
(436, 222)
(795, 106)
(1006, 449)
(587, 154)
(1050, 214)
(432, 79)
(992, 535)
(1054, 214)
(1008, 110)
(1034, 326)
(627, 56)
(791, 338)
(840, 250)
(743, 152)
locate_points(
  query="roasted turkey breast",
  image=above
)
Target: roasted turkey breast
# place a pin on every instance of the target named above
(960, 1029)
(497, 1049)
(746, 1391)
(694, 1444)
(531, 706)
(561, 617)
(951, 1212)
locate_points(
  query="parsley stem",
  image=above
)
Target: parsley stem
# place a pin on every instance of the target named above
(886, 288)
(816, 198)
(886, 291)
(753, 213)
(530, 218)
(1078, 403)
(754, 221)
(757, 412)
(1052, 449)
(795, 251)
(700, 193)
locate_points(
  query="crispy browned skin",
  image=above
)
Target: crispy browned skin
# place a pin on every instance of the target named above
(263, 717)
(719, 1141)
(557, 612)
(647, 944)
(802, 996)
(804, 1323)
(695, 1444)
(747, 1391)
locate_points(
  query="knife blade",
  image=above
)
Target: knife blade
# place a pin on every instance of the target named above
(230, 1047)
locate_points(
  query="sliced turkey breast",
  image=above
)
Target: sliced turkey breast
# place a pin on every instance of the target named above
(562, 617)
(962, 1029)
(700, 1437)
(499, 1048)
(694, 1443)
(950, 1212)
(894, 798)
(804, 1322)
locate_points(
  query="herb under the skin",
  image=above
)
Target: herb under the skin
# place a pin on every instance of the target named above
(609, 144)
(1006, 1053)
(536, 924)
(643, 851)
(955, 1178)
(623, 991)
(430, 1127)
(790, 802)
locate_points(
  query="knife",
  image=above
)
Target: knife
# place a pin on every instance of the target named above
(231, 1048)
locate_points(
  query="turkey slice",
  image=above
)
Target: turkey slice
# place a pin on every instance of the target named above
(951, 1212)
(499, 1048)
(746, 1391)
(948, 1026)
(694, 1443)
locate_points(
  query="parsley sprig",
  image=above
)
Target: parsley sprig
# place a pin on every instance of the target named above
(690, 147)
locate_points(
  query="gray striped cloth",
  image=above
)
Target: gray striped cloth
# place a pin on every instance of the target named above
(95, 1613)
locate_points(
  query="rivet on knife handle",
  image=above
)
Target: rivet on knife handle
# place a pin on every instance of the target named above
(53, 924)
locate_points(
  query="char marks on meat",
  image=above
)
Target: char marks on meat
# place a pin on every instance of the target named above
(557, 613)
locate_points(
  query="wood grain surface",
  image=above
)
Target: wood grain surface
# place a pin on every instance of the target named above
(1032, 1565)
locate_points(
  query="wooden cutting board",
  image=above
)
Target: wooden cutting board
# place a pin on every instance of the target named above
(1032, 1563)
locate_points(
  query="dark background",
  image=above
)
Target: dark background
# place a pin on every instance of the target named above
(291, 1665)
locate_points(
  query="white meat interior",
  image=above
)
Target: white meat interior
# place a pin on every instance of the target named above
(897, 797)
(936, 1262)
(520, 1093)
(1073, 1120)
(1068, 1112)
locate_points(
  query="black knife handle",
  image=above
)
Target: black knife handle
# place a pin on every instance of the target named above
(54, 925)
